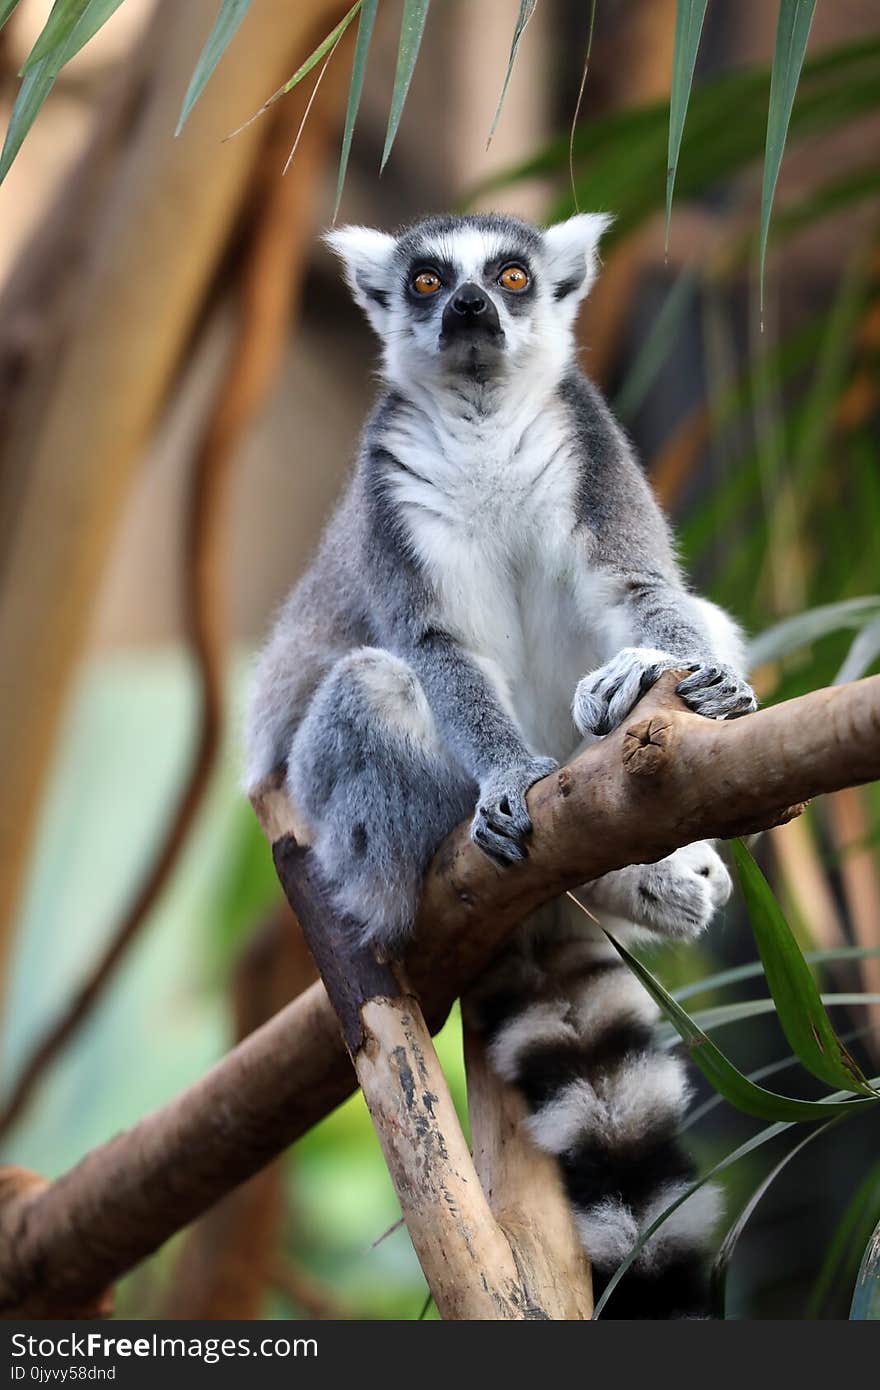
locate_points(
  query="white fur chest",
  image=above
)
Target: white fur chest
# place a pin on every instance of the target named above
(489, 504)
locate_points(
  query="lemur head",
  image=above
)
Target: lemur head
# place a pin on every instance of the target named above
(485, 295)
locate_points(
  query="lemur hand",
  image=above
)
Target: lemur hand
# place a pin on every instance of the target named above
(605, 697)
(718, 692)
(502, 822)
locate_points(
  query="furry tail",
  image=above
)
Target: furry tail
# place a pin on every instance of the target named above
(574, 1030)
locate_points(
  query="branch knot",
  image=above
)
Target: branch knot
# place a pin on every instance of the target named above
(647, 745)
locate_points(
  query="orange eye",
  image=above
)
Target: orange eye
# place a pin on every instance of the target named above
(426, 282)
(514, 278)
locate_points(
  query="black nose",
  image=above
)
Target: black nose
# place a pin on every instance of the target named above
(470, 315)
(469, 301)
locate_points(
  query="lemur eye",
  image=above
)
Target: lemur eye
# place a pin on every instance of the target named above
(426, 282)
(514, 278)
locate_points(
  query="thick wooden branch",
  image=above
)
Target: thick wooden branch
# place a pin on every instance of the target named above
(476, 1267)
(664, 779)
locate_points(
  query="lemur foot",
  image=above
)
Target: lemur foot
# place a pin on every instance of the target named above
(502, 822)
(679, 896)
(606, 696)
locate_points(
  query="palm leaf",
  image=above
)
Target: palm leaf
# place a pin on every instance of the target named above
(731, 1239)
(324, 50)
(801, 1012)
(412, 26)
(723, 1075)
(689, 16)
(699, 1112)
(229, 18)
(792, 32)
(621, 157)
(526, 10)
(93, 18)
(366, 22)
(40, 74)
(63, 19)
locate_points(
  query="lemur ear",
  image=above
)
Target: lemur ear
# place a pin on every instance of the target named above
(366, 257)
(573, 253)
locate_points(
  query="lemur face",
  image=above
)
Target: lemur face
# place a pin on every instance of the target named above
(484, 295)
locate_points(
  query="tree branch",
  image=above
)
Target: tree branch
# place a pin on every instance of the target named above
(475, 1268)
(664, 779)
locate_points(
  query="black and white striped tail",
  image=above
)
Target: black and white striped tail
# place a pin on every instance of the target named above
(574, 1030)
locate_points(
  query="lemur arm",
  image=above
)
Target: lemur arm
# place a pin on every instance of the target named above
(654, 624)
(482, 735)
(484, 738)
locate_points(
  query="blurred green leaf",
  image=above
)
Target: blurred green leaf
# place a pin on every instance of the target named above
(526, 10)
(366, 22)
(737, 973)
(792, 33)
(804, 628)
(728, 1245)
(866, 1295)
(412, 26)
(622, 157)
(861, 656)
(229, 18)
(655, 349)
(723, 1075)
(848, 1243)
(63, 18)
(724, 1014)
(837, 194)
(689, 16)
(801, 1012)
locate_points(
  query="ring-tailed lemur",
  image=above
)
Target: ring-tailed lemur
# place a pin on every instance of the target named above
(496, 585)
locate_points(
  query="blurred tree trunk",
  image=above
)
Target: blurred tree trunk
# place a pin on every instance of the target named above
(77, 425)
(228, 1259)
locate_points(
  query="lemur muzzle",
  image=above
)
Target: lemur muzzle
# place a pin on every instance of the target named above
(470, 310)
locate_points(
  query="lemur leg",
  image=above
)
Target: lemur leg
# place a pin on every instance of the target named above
(568, 1024)
(678, 896)
(378, 789)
